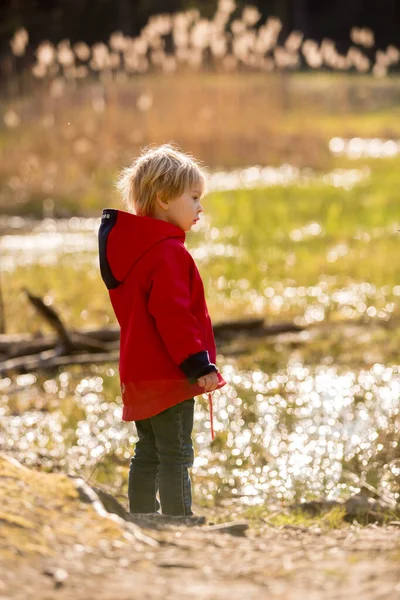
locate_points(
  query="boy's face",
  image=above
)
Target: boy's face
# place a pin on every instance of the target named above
(185, 210)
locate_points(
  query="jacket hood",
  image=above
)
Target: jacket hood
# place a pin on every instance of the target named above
(124, 238)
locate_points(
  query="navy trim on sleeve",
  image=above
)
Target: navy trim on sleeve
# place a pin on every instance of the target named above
(197, 365)
(108, 220)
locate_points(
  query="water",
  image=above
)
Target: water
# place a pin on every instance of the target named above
(258, 176)
(364, 147)
(47, 241)
(296, 433)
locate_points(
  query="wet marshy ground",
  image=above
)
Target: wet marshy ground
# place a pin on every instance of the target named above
(303, 415)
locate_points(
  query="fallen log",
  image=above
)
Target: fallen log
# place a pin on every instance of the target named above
(70, 342)
(23, 353)
(106, 339)
(39, 342)
(229, 329)
(52, 359)
(35, 345)
(51, 316)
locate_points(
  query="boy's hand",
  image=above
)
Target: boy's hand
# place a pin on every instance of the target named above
(209, 382)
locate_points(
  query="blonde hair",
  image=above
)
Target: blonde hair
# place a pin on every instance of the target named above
(163, 170)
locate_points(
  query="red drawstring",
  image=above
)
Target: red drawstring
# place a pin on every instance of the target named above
(211, 414)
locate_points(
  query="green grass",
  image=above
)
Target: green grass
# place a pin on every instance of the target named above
(260, 515)
(261, 224)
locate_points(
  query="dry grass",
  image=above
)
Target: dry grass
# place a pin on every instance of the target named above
(66, 151)
(41, 512)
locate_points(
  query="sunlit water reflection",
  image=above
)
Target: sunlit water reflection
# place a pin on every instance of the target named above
(364, 147)
(299, 432)
(49, 239)
(257, 176)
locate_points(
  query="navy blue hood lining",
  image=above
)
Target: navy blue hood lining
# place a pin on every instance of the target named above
(108, 221)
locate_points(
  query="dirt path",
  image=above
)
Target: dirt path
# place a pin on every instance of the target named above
(59, 542)
(206, 565)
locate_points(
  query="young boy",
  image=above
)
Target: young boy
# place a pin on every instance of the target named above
(167, 348)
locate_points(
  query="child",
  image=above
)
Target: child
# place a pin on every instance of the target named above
(167, 348)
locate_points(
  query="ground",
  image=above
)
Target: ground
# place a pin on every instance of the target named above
(193, 563)
(53, 544)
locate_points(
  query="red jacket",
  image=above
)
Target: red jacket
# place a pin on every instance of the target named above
(167, 340)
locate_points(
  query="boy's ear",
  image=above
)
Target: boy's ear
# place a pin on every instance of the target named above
(163, 203)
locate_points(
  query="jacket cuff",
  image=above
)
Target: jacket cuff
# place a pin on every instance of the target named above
(197, 365)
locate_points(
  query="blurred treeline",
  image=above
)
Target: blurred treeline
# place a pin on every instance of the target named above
(94, 20)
